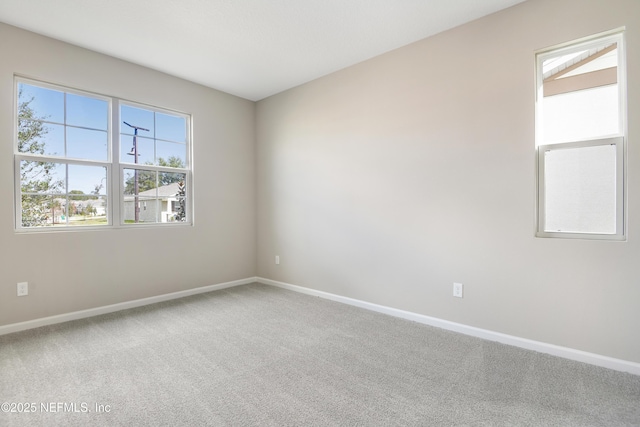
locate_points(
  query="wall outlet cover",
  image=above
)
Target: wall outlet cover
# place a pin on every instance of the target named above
(23, 289)
(457, 290)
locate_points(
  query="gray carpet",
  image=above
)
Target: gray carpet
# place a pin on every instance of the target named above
(256, 355)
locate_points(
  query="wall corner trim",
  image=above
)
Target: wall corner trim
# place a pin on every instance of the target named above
(541, 347)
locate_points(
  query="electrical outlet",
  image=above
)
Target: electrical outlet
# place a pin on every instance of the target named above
(23, 289)
(457, 290)
(277, 259)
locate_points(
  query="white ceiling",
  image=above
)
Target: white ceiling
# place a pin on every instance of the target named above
(249, 48)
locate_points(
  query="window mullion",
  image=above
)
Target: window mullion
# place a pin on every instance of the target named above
(115, 170)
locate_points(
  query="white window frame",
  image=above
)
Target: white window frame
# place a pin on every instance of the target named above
(617, 139)
(114, 168)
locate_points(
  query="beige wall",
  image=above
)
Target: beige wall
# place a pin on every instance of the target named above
(72, 271)
(391, 179)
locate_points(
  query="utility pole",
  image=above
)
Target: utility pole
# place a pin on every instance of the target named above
(134, 153)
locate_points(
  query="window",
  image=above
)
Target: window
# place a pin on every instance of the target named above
(158, 141)
(580, 139)
(66, 166)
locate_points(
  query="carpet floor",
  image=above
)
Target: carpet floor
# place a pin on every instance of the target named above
(257, 355)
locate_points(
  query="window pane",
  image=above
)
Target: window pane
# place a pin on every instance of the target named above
(142, 199)
(171, 154)
(169, 183)
(36, 137)
(580, 95)
(87, 179)
(173, 195)
(87, 112)
(42, 177)
(87, 144)
(146, 150)
(164, 144)
(146, 180)
(39, 103)
(86, 210)
(148, 210)
(155, 202)
(40, 210)
(574, 116)
(170, 127)
(580, 189)
(137, 117)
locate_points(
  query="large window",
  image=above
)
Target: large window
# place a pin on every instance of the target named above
(73, 170)
(580, 139)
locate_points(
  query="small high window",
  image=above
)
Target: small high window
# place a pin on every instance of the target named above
(580, 139)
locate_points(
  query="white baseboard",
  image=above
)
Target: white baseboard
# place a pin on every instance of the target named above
(44, 321)
(541, 347)
(565, 352)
